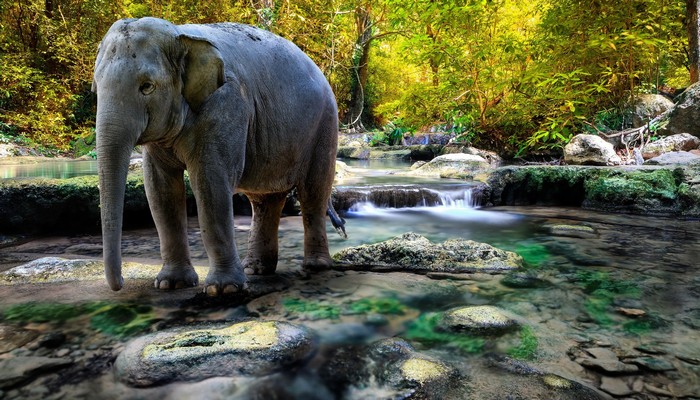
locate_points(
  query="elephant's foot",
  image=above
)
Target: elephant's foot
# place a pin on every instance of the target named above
(317, 262)
(171, 277)
(220, 283)
(258, 267)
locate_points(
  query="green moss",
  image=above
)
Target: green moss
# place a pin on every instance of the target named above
(122, 320)
(313, 310)
(626, 188)
(423, 329)
(382, 305)
(527, 348)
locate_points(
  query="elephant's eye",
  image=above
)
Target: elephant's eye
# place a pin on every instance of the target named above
(147, 88)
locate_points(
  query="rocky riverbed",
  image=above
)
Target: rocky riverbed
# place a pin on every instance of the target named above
(596, 307)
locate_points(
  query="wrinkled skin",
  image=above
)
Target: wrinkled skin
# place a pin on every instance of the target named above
(241, 110)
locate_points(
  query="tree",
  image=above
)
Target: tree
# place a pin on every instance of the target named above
(693, 26)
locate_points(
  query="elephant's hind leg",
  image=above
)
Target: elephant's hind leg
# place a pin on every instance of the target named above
(313, 196)
(262, 241)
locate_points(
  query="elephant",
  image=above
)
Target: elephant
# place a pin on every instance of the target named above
(241, 110)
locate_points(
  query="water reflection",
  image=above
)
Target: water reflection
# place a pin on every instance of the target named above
(58, 169)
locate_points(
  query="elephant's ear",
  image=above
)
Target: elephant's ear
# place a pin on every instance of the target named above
(98, 59)
(203, 70)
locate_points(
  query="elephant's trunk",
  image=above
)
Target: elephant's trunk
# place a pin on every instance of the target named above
(113, 153)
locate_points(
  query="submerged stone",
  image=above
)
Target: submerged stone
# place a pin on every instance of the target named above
(477, 320)
(16, 370)
(253, 348)
(12, 337)
(411, 252)
(576, 231)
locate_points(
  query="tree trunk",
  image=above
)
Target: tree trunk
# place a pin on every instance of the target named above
(359, 70)
(693, 41)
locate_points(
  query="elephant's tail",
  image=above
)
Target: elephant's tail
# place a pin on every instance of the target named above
(336, 220)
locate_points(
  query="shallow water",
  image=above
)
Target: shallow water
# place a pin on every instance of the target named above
(41, 168)
(589, 284)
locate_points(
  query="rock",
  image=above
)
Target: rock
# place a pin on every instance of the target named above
(685, 114)
(342, 170)
(615, 386)
(677, 142)
(385, 196)
(576, 231)
(51, 269)
(457, 165)
(607, 361)
(393, 365)
(493, 158)
(647, 107)
(252, 348)
(675, 158)
(653, 364)
(411, 252)
(12, 337)
(52, 340)
(523, 280)
(631, 312)
(16, 370)
(481, 320)
(590, 150)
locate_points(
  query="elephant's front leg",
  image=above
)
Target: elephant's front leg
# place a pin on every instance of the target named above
(213, 193)
(165, 190)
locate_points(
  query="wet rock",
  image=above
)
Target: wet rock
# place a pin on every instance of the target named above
(479, 320)
(523, 280)
(50, 269)
(615, 386)
(385, 196)
(674, 158)
(250, 348)
(16, 370)
(12, 337)
(607, 361)
(52, 340)
(653, 364)
(590, 150)
(394, 366)
(576, 231)
(678, 142)
(458, 165)
(493, 158)
(411, 252)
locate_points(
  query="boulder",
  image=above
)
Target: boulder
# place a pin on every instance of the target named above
(590, 150)
(492, 157)
(480, 320)
(647, 107)
(411, 252)
(252, 348)
(678, 142)
(457, 165)
(685, 115)
(674, 158)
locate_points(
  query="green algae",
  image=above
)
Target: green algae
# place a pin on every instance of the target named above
(644, 325)
(122, 320)
(381, 305)
(527, 349)
(533, 254)
(644, 186)
(601, 291)
(43, 312)
(424, 329)
(313, 310)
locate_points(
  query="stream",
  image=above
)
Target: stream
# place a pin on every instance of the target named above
(629, 284)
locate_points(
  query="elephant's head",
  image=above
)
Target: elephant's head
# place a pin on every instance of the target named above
(149, 75)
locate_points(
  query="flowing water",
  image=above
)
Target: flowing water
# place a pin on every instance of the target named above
(629, 284)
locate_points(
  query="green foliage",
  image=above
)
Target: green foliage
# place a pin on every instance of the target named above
(423, 329)
(511, 76)
(527, 349)
(391, 135)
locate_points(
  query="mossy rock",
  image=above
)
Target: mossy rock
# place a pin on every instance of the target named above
(252, 348)
(478, 320)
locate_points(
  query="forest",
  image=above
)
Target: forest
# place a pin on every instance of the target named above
(519, 77)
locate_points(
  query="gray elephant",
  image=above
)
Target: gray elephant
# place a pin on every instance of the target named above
(237, 107)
